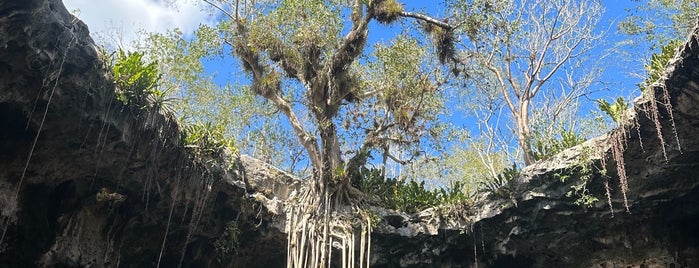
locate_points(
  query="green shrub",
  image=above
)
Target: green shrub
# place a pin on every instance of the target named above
(583, 172)
(135, 79)
(207, 137)
(501, 185)
(228, 242)
(408, 196)
(375, 185)
(411, 196)
(454, 193)
(614, 111)
(546, 147)
(658, 62)
(206, 142)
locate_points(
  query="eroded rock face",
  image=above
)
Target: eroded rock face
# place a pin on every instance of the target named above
(57, 105)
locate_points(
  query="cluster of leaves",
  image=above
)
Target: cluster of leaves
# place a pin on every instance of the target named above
(545, 148)
(501, 185)
(583, 172)
(228, 242)
(658, 61)
(299, 26)
(409, 196)
(386, 11)
(138, 81)
(407, 92)
(207, 142)
(477, 16)
(614, 111)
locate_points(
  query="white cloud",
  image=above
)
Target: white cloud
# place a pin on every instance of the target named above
(118, 21)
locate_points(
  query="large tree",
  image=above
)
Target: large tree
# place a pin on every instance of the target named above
(309, 60)
(302, 57)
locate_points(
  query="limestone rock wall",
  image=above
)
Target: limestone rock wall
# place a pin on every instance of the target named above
(64, 138)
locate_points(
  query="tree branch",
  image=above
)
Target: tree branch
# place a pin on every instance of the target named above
(353, 43)
(221, 9)
(259, 72)
(360, 158)
(428, 19)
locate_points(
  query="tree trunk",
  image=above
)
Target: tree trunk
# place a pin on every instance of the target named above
(524, 140)
(330, 147)
(524, 133)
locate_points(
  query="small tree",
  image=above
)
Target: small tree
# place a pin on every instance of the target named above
(203, 98)
(516, 51)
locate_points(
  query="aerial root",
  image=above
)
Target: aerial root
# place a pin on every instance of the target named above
(313, 231)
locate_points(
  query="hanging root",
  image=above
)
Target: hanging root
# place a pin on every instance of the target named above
(618, 147)
(313, 227)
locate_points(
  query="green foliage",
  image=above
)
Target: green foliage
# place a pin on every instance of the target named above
(207, 138)
(454, 193)
(545, 148)
(443, 40)
(614, 111)
(207, 143)
(386, 11)
(658, 62)
(295, 24)
(409, 196)
(136, 80)
(179, 63)
(584, 198)
(582, 171)
(407, 92)
(160, 100)
(501, 185)
(376, 186)
(478, 16)
(247, 119)
(228, 242)
(668, 20)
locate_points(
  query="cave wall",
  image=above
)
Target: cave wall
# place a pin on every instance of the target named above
(64, 137)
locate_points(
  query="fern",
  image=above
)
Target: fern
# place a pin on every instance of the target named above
(658, 61)
(501, 185)
(614, 111)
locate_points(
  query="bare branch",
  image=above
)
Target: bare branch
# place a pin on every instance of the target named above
(394, 158)
(228, 14)
(427, 19)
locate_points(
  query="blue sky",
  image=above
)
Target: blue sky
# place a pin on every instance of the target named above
(130, 16)
(126, 17)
